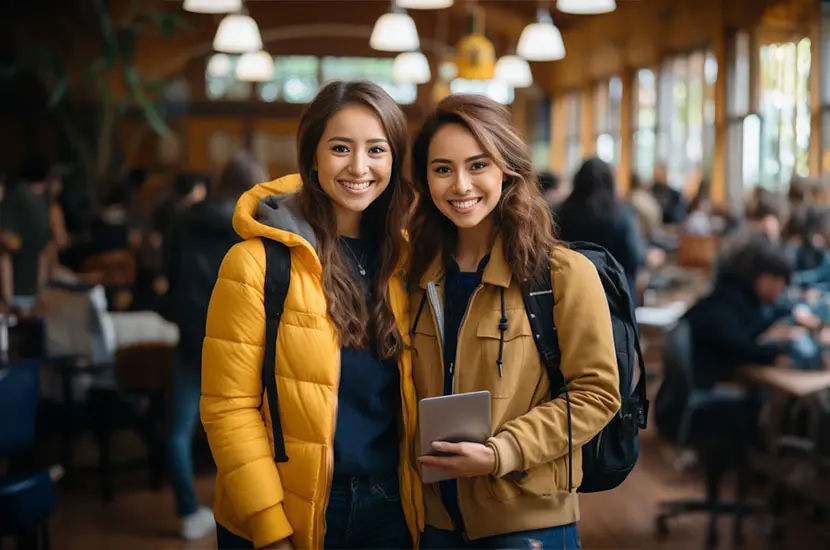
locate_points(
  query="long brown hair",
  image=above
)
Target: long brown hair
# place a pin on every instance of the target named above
(522, 217)
(386, 217)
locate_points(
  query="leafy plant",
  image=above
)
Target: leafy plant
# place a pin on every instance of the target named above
(85, 88)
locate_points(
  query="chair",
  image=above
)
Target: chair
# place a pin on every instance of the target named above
(137, 402)
(717, 422)
(27, 499)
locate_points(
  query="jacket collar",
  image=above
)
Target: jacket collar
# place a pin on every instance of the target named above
(497, 272)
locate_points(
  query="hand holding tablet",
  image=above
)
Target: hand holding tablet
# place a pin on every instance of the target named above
(453, 430)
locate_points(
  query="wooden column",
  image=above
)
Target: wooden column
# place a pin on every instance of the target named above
(719, 39)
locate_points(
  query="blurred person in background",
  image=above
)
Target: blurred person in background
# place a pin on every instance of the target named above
(198, 239)
(551, 189)
(24, 212)
(648, 210)
(594, 213)
(670, 199)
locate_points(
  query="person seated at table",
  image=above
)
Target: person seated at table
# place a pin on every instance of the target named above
(725, 324)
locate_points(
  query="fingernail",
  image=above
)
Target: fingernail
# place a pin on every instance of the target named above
(438, 446)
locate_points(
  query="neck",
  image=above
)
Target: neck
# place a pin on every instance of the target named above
(473, 244)
(348, 222)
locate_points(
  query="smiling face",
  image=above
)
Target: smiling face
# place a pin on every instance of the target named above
(464, 182)
(353, 163)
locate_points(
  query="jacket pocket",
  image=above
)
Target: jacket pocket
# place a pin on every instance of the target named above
(539, 481)
(518, 342)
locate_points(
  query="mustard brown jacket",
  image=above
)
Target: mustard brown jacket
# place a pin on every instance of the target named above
(257, 498)
(529, 430)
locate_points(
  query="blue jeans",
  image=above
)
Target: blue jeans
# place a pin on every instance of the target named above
(363, 512)
(366, 512)
(184, 414)
(565, 537)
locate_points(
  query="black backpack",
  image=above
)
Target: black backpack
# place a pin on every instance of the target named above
(610, 456)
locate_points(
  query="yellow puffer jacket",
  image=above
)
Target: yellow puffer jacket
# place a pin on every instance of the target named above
(257, 498)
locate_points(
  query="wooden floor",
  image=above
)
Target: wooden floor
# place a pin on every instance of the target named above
(622, 519)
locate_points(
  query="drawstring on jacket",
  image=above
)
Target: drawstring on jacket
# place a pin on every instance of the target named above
(502, 330)
(418, 315)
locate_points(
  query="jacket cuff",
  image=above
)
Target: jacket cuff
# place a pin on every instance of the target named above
(508, 453)
(270, 525)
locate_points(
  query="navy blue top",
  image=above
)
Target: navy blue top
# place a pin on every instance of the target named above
(369, 402)
(459, 288)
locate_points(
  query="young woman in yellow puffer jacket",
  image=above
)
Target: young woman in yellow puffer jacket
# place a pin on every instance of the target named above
(481, 228)
(346, 398)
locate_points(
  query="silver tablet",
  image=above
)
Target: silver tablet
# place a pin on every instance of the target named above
(452, 418)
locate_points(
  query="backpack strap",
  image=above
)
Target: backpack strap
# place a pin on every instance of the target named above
(539, 302)
(277, 279)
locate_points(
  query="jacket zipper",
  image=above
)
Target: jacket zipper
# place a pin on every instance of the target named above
(329, 464)
(434, 303)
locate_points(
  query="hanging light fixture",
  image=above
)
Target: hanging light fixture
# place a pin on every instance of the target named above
(212, 6)
(586, 7)
(237, 33)
(541, 41)
(515, 71)
(425, 4)
(255, 67)
(411, 68)
(219, 65)
(395, 32)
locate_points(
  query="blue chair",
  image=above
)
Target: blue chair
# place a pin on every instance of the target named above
(27, 500)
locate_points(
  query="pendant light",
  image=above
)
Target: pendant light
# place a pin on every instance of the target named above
(514, 70)
(425, 4)
(212, 6)
(255, 66)
(541, 41)
(395, 32)
(411, 68)
(237, 33)
(586, 7)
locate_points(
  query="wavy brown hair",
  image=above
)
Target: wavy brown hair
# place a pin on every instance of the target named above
(522, 217)
(359, 324)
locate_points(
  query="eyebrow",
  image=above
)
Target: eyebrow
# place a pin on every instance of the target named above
(350, 140)
(468, 159)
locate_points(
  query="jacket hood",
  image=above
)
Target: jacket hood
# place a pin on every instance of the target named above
(270, 210)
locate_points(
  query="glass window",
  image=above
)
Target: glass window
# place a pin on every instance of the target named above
(220, 79)
(378, 70)
(686, 113)
(572, 114)
(607, 119)
(785, 112)
(296, 80)
(645, 123)
(494, 89)
(739, 83)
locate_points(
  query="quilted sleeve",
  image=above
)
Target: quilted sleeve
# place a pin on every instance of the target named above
(232, 394)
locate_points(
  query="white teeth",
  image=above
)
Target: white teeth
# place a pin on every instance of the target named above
(355, 185)
(463, 205)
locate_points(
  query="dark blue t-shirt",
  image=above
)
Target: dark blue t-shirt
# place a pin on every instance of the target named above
(458, 289)
(368, 412)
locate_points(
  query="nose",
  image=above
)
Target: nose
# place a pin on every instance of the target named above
(463, 184)
(357, 166)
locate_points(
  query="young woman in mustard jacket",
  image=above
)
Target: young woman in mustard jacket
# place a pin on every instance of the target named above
(482, 227)
(340, 359)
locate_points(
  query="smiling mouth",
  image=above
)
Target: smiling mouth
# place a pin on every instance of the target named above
(356, 186)
(465, 205)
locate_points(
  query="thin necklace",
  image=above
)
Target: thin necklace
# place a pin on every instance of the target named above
(359, 261)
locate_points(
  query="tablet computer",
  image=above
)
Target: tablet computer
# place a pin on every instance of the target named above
(452, 418)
